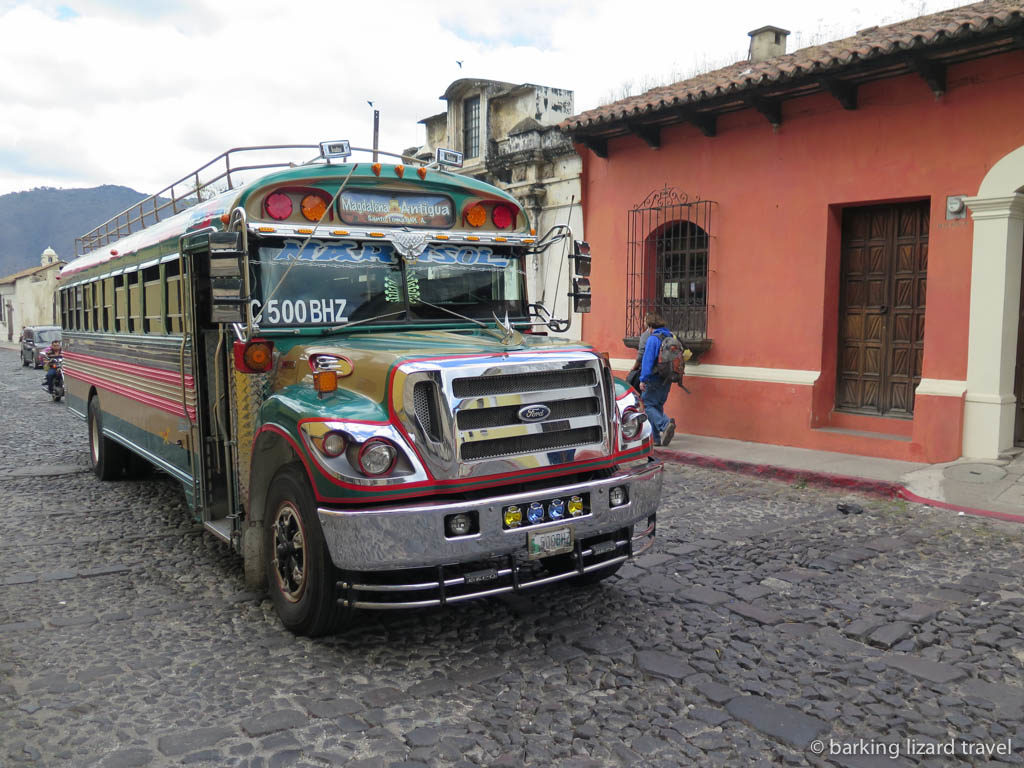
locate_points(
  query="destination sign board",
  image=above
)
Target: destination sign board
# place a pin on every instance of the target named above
(396, 209)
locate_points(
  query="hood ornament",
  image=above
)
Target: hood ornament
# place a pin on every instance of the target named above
(509, 335)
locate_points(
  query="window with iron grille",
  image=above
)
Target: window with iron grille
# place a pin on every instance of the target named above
(667, 265)
(471, 127)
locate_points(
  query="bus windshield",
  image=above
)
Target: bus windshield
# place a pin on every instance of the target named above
(335, 283)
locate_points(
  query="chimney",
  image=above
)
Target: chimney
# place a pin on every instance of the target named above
(767, 43)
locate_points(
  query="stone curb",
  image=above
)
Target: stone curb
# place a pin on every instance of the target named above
(883, 488)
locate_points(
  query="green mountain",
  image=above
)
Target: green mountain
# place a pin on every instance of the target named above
(45, 217)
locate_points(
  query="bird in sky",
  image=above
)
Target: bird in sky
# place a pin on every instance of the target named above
(459, 63)
(370, 103)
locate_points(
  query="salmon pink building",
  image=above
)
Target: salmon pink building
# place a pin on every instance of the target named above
(836, 232)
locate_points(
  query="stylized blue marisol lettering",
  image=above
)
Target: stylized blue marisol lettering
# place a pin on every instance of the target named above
(383, 253)
(337, 252)
(289, 251)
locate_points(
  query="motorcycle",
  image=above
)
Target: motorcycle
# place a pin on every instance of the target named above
(55, 364)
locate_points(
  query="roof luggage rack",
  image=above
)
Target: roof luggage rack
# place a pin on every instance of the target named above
(194, 188)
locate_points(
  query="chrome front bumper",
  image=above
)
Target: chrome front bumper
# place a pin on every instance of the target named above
(391, 538)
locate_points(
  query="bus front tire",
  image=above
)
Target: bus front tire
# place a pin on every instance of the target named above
(300, 575)
(106, 456)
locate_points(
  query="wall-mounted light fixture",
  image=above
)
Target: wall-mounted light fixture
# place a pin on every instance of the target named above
(956, 208)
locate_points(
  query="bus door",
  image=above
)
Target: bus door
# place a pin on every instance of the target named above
(213, 260)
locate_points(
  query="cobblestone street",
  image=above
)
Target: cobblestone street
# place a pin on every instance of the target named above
(767, 627)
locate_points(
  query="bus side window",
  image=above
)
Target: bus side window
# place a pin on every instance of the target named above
(64, 308)
(173, 281)
(108, 305)
(153, 303)
(79, 299)
(121, 304)
(134, 302)
(93, 299)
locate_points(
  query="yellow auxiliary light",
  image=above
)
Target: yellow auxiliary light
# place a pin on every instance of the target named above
(575, 506)
(513, 517)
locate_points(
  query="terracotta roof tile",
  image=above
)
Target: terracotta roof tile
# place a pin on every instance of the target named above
(873, 42)
(28, 272)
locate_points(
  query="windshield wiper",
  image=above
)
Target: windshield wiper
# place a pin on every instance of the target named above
(503, 333)
(333, 329)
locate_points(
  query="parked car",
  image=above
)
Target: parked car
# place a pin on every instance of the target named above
(34, 341)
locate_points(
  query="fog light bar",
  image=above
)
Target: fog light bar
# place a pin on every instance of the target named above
(576, 506)
(535, 513)
(513, 517)
(458, 525)
(617, 496)
(556, 509)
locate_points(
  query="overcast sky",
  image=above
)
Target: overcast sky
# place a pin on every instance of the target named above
(140, 92)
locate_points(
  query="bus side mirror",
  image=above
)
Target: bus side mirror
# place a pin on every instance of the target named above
(217, 261)
(580, 295)
(581, 257)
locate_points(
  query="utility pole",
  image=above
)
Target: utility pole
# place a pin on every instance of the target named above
(376, 132)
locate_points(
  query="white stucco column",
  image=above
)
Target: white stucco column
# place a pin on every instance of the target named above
(995, 309)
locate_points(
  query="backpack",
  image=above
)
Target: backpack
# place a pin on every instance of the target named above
(671, 359)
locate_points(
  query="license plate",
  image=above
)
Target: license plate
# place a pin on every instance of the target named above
(546, 543)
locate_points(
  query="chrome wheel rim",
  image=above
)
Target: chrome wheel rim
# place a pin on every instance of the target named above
(289, 552)
(94, 442)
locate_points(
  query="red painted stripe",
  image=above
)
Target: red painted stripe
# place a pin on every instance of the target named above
(417, 489)
(156, 374)
(1006, 516)
(161, 403)
(883, 488)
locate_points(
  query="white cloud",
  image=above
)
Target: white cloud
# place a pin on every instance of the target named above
(139, 93)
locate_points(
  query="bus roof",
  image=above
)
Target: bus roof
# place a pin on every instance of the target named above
(151, 229)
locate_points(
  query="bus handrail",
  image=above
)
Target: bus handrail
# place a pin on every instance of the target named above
(136, 217)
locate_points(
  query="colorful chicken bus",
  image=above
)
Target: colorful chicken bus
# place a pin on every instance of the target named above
(339, 362)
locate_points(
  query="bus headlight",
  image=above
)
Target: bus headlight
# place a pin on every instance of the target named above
(377, 457)
(333, 444)
(632, 423)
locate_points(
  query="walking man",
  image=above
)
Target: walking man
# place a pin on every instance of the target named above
(653, 387)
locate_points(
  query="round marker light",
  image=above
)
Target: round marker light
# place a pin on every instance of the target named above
(556, 509)
(476, 216)
(459, 525)
(278, 206)
(535, 513)
(313, 207)
(513, 517)
(576, 506)
(377, 457)
(503, 216)
(333, 444)
(258, 356)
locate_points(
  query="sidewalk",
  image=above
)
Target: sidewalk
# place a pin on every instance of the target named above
(972, 486)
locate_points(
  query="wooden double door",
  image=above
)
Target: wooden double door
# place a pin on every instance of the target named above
(884, 265)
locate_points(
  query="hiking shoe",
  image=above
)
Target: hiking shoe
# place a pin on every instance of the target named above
(670, 430)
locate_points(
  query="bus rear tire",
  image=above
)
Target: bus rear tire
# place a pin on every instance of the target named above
(106, 456)
(136, 467)
(300, 574)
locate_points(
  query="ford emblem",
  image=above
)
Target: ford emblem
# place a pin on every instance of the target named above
(531, 413)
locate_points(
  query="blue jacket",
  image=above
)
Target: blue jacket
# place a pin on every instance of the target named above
(651, 351)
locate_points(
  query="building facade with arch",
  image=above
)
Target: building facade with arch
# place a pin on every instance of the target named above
(837, 232)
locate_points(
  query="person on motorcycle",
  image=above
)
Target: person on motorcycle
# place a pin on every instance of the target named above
(52, 352)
